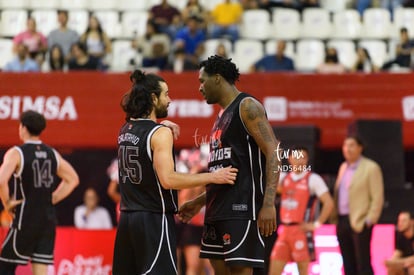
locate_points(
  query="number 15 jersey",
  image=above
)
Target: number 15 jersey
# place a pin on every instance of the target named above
(138, 182)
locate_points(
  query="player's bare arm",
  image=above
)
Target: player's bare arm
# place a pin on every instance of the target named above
(175, 128)
(161, 145)
(190, 208)
(254, 118)
(69, 181)
(327, 207)
(11, 163)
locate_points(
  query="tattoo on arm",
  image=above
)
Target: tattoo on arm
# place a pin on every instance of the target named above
(272, 179)
(251, 109)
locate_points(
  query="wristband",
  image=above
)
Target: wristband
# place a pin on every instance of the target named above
(316, 224)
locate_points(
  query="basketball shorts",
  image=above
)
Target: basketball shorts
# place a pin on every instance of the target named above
(237, 242)
(29, 244)
(145, 244)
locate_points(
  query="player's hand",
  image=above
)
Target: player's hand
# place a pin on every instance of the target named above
(11, 205)
(188, 210)
(267, 220)
(225, 175)
(173, 126)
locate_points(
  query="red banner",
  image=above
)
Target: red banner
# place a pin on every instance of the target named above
(83, 108)
(81, 252)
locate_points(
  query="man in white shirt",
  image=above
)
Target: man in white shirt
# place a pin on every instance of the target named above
(90, 215)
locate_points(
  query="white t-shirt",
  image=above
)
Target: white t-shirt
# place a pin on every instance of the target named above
(97, 219)
(317, 185)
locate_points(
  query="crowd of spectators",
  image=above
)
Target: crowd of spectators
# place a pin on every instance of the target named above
(175, 40)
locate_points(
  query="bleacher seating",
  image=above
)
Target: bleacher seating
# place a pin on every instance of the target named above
(255, 24)
(246, 53)
(286, 24)
(330, 25)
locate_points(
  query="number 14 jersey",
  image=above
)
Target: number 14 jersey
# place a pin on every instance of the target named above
(34, 183)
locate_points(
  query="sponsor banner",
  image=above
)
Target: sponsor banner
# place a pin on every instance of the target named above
(80, 252)
(83, 109)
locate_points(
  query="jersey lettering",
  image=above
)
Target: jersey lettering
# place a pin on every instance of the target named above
(129, 164)
(42, 176)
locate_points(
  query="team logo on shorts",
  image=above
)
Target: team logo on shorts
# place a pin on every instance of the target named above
(226, 239)
(299, 245)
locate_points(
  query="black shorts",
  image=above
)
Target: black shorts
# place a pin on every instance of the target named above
(145, 244)
(237, 242)
(29, 244)
(189, 234)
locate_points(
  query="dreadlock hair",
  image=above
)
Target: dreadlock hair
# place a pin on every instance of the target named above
(219, 65)
(34, 122)
(137, 103)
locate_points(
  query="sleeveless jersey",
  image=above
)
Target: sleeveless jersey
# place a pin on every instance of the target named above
(296, 201)
(34, 184)
(231, 144)
(138, 182)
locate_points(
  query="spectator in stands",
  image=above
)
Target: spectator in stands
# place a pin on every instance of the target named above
(250, 4)
(154, 47)
(35, 41)
(362, 5)
(275, 62)
(404, 50)
(270, 4)
(221, 50)
(166, 17)
(331, 64)
(402, 260)
(304, 4)
(22, 62)
(63, 36)
(90, 215)
(194, 8)
(408, 4)
(225, 19)
(364, 62)
(56, 58)
(183, 62)
(81, 60)
(190, 36)
(96, 40)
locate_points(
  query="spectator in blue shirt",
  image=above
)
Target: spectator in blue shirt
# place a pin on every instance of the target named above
(190, 36)
(275, 62)
(22, 62)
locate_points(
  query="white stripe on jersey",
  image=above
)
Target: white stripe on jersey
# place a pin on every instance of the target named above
(244, 259)
(149, 141)
(159, 247)
(253, 183)
(19, 173)
(19, 226)
(42, 255)
(259, 156)
(260, 237)
(15, 249)
(169, 245)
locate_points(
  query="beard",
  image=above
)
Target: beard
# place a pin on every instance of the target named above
(161, 111)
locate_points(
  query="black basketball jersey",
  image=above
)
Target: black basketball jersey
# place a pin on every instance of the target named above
(231, 144)
(138, 182)
(34, 183)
